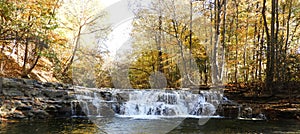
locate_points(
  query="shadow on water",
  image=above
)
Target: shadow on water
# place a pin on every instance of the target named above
(124, 125)
(53, 126)
(225, 126)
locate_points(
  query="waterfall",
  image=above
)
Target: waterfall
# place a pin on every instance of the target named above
(147, 103)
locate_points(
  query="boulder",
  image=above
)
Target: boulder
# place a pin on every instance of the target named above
(41, 114)
(12, 83)
(54, 93)
(18, 114)
(122, 97)
(12, 92)
(24, 107)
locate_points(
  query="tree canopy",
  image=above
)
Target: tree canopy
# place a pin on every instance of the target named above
(230, 42)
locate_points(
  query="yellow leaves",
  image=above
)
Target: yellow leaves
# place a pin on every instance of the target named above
(199, 54)
(57, 39)
(148, 62)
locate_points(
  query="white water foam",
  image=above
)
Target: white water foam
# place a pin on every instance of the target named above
(147, 104)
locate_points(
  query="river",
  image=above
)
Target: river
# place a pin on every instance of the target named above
(145, 126)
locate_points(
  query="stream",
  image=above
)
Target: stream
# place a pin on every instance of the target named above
(148, 112)
(125, 126)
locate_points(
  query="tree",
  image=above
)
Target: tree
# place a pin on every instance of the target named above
(29, 25)
(167, 32)
(77, 20)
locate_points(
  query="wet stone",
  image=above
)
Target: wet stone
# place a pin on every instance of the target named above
(28, 113)
(51, 108)
(32, 92)
(122, 97)
(58, 106)
(17, 103)
(18, 114)
(12, 92)
(11, 83)
(29, 81)
(27, 96)
(48, 84)
(54, 102)
(106, 96)
(38, 85)
(20, 98)
(41, 114)
(54, 93)
(59, 88)
(27, 101)
(24, 107)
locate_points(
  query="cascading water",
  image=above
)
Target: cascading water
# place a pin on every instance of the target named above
(148, 103)
(90, 103)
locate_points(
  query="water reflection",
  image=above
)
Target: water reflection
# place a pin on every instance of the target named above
(230, 126)
(59, 126)
(138, 126)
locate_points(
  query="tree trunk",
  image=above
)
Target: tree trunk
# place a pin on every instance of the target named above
(159, 56)
(24, 71)
(214, 61)
(261, 55)
(270, 45)
(71, 58)
(222, 66)
(236, 42)
(284, 72)
(34, 64)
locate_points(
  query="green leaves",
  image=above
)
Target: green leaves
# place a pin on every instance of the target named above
(29, 25)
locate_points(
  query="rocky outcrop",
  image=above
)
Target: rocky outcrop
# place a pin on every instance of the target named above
(25, 98)
(282, 104)
(30, 99)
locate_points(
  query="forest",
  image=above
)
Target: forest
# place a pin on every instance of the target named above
(190, 42)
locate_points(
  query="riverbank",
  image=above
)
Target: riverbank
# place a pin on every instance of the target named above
(32, 99)
(282, 103)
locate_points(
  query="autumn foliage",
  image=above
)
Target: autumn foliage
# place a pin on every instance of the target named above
(237, 42)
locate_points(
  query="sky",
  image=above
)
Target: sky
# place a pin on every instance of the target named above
(120, 17)
(109, 2)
